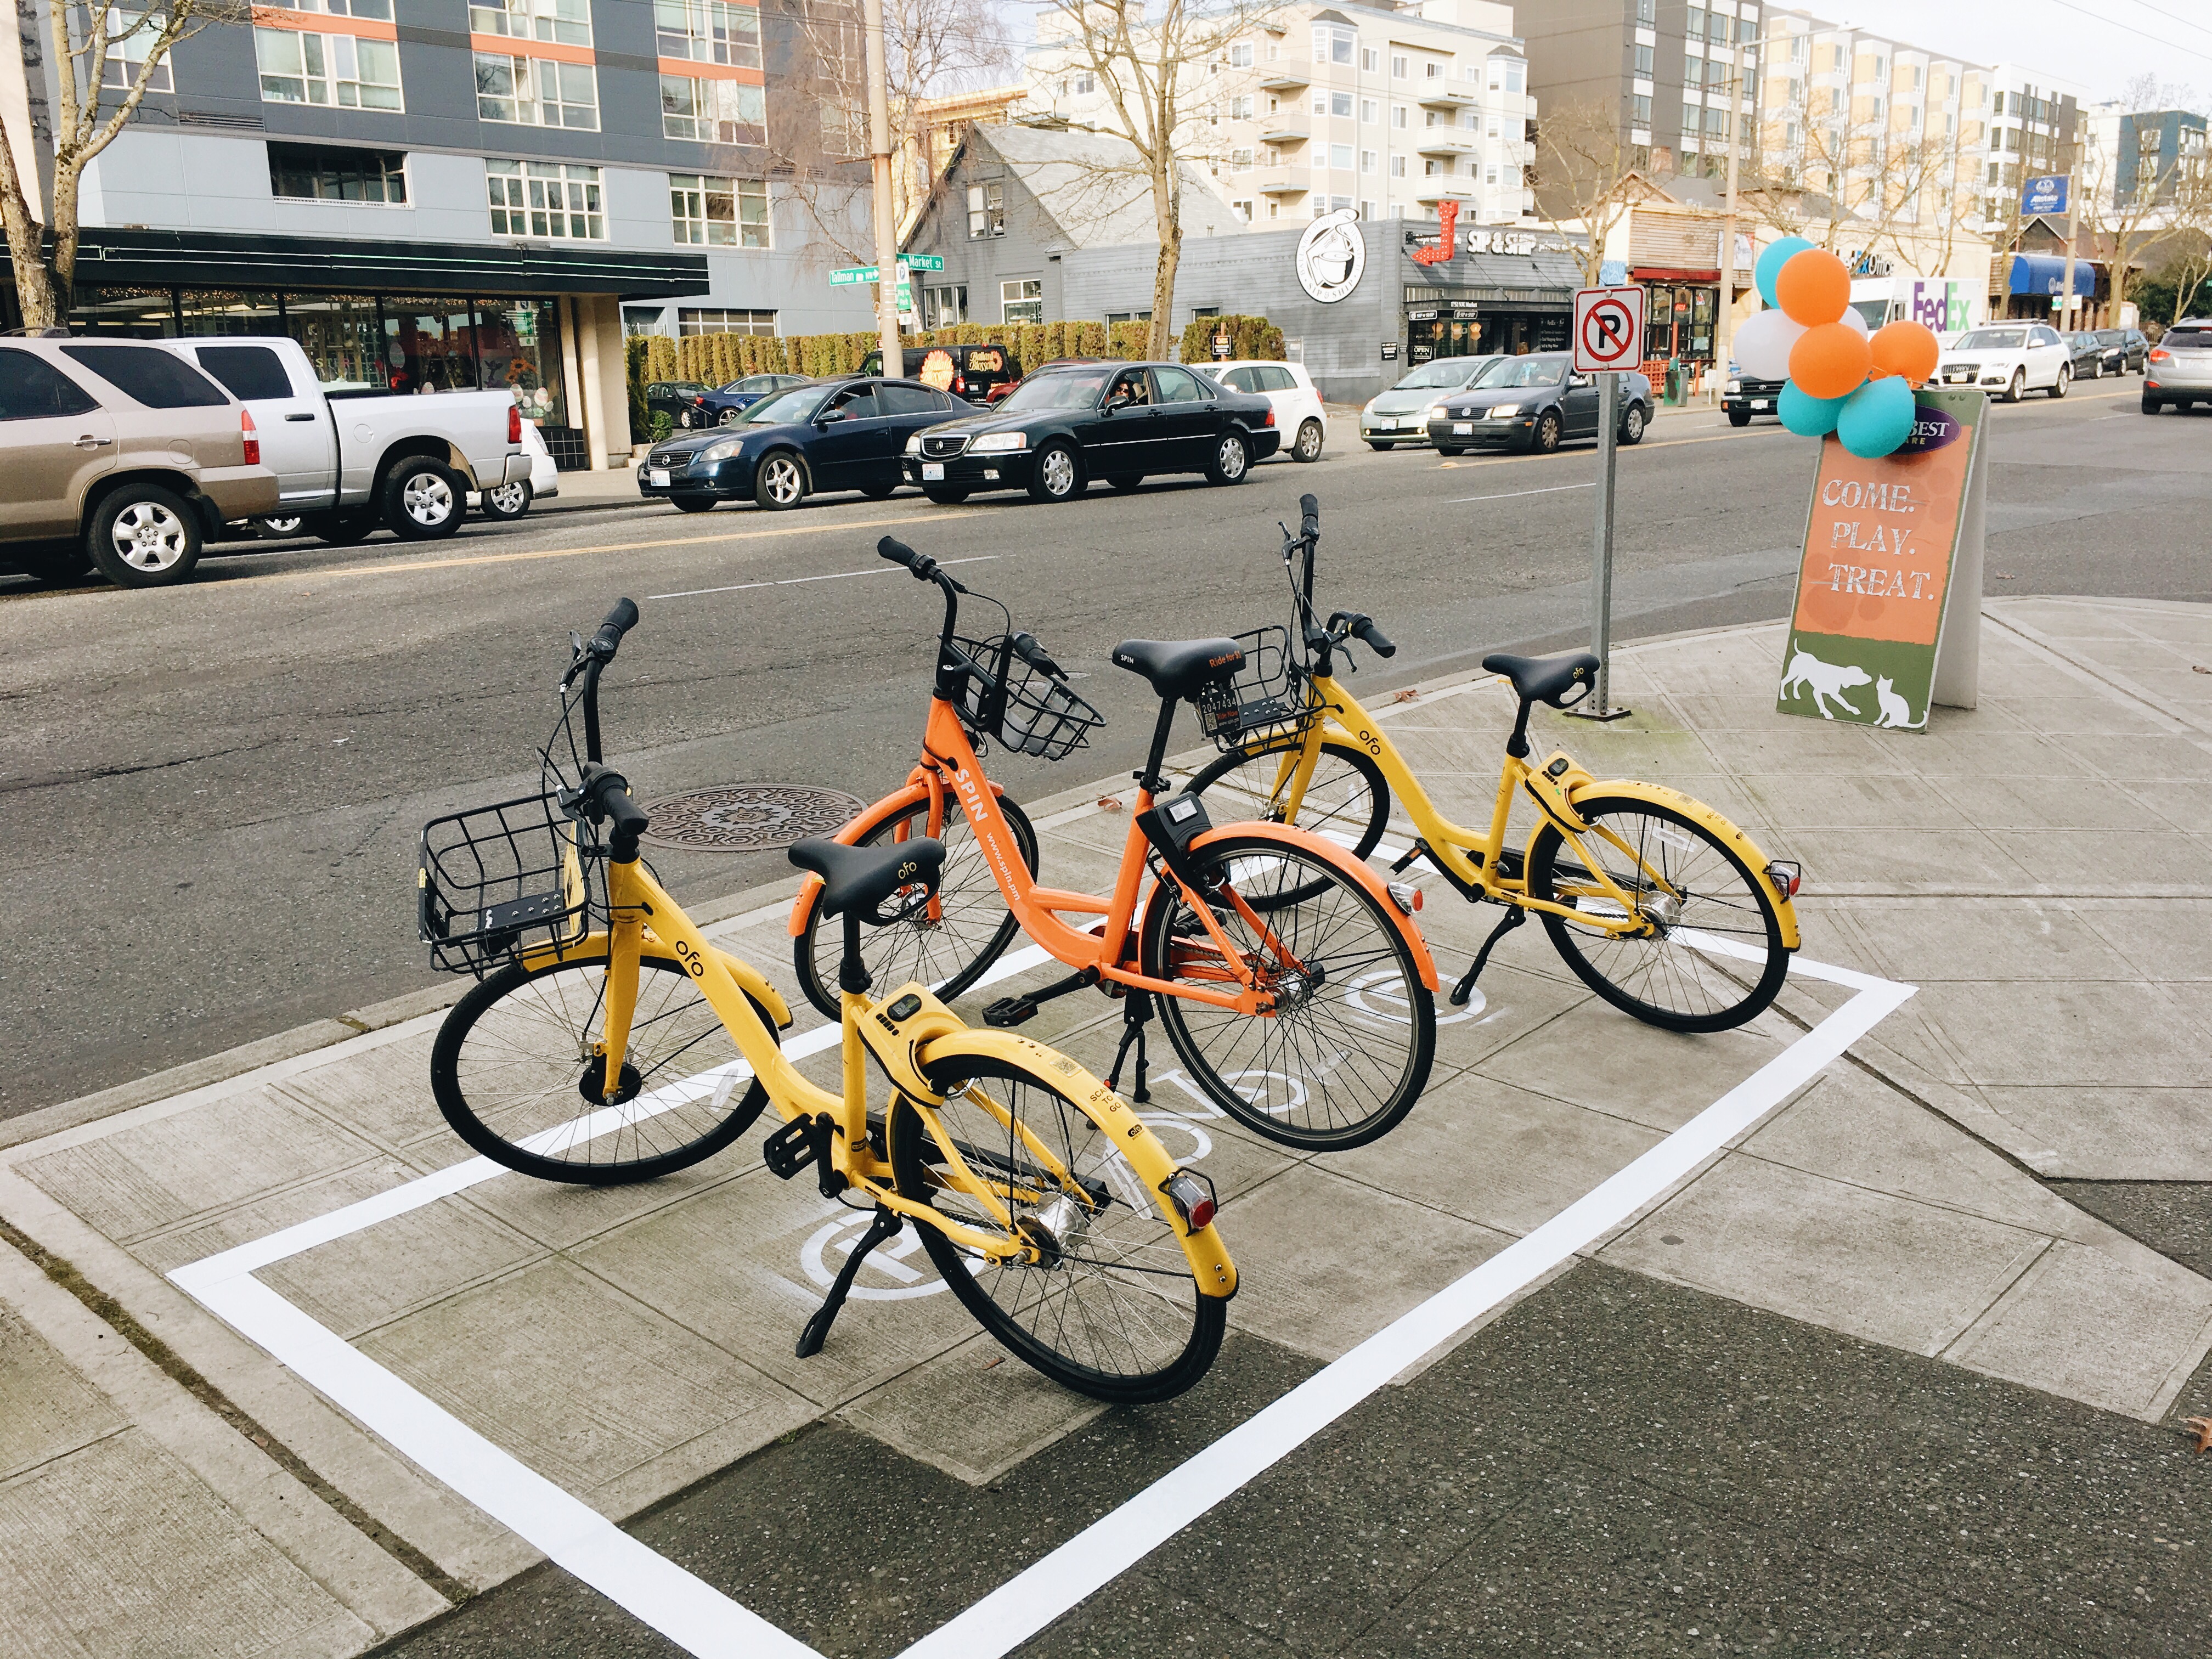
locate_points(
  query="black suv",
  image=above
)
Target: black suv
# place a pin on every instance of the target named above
(2134, 346)
(981, 374)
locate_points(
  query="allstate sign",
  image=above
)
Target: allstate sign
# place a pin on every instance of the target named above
(2045, 195)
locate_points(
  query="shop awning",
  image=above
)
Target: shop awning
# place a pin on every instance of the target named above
(2045, 273)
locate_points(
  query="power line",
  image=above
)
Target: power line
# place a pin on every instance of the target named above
(2155, 39)
(2200, 27)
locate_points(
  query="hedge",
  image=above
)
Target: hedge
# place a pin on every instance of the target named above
(1248, 336)
(716, 358)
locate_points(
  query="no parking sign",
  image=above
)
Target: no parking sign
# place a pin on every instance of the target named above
(1608, 329)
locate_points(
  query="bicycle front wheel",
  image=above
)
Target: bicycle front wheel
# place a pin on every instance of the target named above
(1113, 1309)
(1345, 796)
(1346, 1050)
(518, 1072)
(948, 950)
(1714, 958)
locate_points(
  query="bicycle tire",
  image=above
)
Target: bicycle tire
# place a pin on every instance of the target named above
(1244, 780)
(1366, 967)
(1145, 1294)
(916, 950)
(675, 1028)
(1662, 965)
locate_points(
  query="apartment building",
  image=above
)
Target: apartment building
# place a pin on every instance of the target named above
(1680, 81)
(2155, 159)
(434, 194)
(1383, 112)
(2033, 129)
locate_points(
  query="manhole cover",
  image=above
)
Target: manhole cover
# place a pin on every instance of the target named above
(745, 817)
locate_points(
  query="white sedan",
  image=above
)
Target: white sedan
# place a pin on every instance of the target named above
(2010, 359)
(1298, 412)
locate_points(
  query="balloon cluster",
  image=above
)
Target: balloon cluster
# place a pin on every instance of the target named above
(1842, 378)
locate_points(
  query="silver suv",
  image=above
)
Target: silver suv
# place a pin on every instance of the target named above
(2179, 370)
(118, 454)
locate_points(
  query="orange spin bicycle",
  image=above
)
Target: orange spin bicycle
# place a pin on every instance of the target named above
(1293, 983)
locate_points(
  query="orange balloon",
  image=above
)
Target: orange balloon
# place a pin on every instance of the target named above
(1907, 349)
(1813, 287)
(1831, 361)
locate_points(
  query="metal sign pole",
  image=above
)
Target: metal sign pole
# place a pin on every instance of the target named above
(1608, 428)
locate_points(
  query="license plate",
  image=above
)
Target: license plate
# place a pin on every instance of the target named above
(1386, 424)
(658, 477)
(1759, 403)
(1958, 379)
(1461, 428)
(933, 472)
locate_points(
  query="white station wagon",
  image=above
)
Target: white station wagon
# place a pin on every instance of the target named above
(1298, 411)
(2010, 359)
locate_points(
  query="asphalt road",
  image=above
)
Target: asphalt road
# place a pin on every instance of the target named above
(214, 792)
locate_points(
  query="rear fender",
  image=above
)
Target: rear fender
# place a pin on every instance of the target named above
(903, 800)
(1321, 848)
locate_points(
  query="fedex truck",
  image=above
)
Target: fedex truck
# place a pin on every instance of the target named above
(1945, 304)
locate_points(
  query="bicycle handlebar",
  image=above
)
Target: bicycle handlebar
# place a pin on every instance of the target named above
(1027, 648)
(1364, 628)
(605, 796)
(619, 621)
(1310, 518)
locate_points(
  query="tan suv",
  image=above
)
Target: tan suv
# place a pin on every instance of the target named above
(121, 454)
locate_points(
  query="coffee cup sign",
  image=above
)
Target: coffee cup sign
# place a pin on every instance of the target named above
(1882, 545)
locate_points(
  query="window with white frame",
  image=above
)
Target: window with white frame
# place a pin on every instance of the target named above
(1397, 167)
(844, 128)
(1514, 71)
(1370, 61)
(1243, 210)
(1321, 158)
(944, 306)
(1022, 301)
(709, 211)
(1398, 62)
(716, 321)
(1370, 112)
(1369, 210)
(1339, 157)
(986, 210)
(712, 112)
(1471, 120)
(564, 22)
(706, 32)
(1240, 161)
(535, 92)
(1240, 55)
(1367, 161)
(555, 200)
(1339, 106)
(1432, 71)
(1240, 108)
(1274, 209)
(132, 34)
(378, 9)
(337, 70)
(1398, 117)
(1332, 45)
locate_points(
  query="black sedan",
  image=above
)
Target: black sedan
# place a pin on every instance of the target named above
(2094, 357)
(1534, 403)
(724, 405)
(1061, 427)
(841, 433)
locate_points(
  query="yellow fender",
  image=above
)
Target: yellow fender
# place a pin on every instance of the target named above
(1209, 1259)
(1698, 813)
(748, 977)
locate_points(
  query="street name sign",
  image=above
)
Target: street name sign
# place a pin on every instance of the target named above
(1608, 329)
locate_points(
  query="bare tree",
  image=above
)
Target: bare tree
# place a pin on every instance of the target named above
(105, 63)
(2169, 194)
(935, 48)
(1832, 178)
(1152, 64)
(1585, 175)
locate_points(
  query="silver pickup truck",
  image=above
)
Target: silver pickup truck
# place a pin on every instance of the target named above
(348, 461)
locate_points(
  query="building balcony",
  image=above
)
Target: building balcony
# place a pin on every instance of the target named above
(1274, 182)
(1285, 80)
(1282, 136)
(1444, 98)
(1445, 142)
(1430, 191)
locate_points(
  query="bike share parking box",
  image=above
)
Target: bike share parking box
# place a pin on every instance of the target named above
(1889, 591)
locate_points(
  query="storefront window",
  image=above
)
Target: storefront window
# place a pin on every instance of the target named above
(429, 345)
(220, 310)
(518, 348)
(141, 314)
(1680, 322)
(339, 333)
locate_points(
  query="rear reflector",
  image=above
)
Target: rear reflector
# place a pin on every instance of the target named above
(246, 431)
(1786, 874)
(1405, 897)
(1192, 1193)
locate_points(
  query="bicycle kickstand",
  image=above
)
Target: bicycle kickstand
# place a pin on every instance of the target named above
(886, 1224)
(1135, 1011)
(1515, 915)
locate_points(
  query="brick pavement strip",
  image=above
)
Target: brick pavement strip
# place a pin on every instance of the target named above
(2038, 866)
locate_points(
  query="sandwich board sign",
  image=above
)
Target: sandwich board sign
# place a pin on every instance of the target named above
(1889, 589)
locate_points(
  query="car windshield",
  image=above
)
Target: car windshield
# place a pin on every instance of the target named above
(2193, 339)
(1508, 372)
(1444, 371)
(797, 404)
(1995, 339)
(1056, 390)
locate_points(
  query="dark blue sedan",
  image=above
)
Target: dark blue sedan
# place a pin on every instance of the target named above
(848, 433)
(724, 405)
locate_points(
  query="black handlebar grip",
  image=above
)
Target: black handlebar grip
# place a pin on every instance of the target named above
(619, 621)
(897, 551)
(1378, 640)
(1309, 518)
(1027, 648)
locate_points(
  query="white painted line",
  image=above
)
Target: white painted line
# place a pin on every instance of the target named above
(1095, 1557)
(833, 575)
(1509, 495)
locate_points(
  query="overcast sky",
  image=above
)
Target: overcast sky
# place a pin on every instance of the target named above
(2091, 48)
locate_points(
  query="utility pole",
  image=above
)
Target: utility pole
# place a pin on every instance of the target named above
(879, 158)
(2066, 282)
(1724, 324)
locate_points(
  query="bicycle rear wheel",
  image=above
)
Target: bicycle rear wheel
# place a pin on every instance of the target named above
(1114, 1311)
(1347, 798)
(1716, 959)
(515, 1072)
(1347, 1051)
(947, 954)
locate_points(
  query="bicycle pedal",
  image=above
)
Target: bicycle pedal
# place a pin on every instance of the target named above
(791, 1148)
(1009, 1011)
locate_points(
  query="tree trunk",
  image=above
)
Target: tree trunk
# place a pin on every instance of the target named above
(44, 304)
(1167, 216)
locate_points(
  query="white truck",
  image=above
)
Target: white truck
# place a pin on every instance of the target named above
(348, 461)
(1945, 304)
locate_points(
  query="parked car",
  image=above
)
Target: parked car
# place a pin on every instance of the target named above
(721, 405)
(2015, 358)
(1536, 403)
(2133, 344)
(119, 456)
(673, 398)
(348, 464)
(1746, 397)
(982, 373)
(1123, 423)
(1298, 411)
(2179, 371)
(841, 433)
(511, 501)
(2093, 357)
(1401, 414)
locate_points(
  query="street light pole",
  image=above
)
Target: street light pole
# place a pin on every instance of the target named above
(886, 212)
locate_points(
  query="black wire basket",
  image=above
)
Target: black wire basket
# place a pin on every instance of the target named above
(497, 881)
(1265, 696)
(1028, 710)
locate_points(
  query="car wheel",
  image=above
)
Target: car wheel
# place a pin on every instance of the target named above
(1125, 482)
(347, 529)
(1632, 424)
(2150, 404)
(1231, 460)
(731, 417)
(1372, 445)
(1057, 476)
(279, 526)
(2097, 370)
(2059, 386)
(1308, 447)
(1545, 439)
(1450, 449)
(423, 499)
(64, 564)
(507, 501)
(1739, 418)
(877, 492)
(2018, 389)
(694, 503)
(780, 482)
(144, 536)
(946, 497)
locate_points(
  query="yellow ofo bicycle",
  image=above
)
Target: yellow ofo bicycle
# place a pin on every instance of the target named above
(1656, 901)
(607, 1041)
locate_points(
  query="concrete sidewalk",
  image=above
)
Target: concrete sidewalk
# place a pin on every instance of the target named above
(2037, 867)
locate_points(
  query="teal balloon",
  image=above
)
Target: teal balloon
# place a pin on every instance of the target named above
(1877, 417)
(1771, 262)
(1809, 417)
